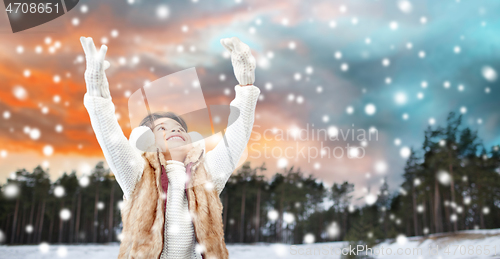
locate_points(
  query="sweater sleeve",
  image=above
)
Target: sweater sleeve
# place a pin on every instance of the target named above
(222, 160)
(124, 161)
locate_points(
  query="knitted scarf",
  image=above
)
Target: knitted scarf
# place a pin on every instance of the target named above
(143, 215)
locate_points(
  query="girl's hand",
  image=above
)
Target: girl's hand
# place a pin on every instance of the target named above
(95, 78)
(242, 60)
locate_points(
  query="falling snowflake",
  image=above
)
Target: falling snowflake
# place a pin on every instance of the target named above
(386, 62)
(162, 11)
(401, 239)
(393, 25)
(370, 199)
(272, 215)
(350, 110)
(62, 251)
(20, 93)
(6, 115)
(370, 109)
(405, 6)
(45, 110)
(282, 163)
(59, 191)
(380, 167)
(84, 181)
(317, 165)
(489, 73)
(344, 67)
(11, 190)
(338, 55)
(353, 152)
(405, 152)
(444, 177)
(400, 98)
(65, 214)
(84, 9)
(333, 131)
(29, 228)
(333, 230)
(44, 247)
(48, 150)
(288, 218)
(309, 238)
(114, 33)
(34, 133)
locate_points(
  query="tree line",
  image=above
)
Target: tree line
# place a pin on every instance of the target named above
(451, 183)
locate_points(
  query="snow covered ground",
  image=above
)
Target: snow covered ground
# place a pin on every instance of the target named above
(258, 251)
(463, 244)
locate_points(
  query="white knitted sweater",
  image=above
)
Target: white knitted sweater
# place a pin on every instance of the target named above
(127, 164)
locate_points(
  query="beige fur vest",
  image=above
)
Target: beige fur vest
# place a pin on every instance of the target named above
(143, 215)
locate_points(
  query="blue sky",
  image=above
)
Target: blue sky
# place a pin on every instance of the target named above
(295, 44)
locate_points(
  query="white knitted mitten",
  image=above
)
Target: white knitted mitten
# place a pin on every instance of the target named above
(95, 78)
(242, 60)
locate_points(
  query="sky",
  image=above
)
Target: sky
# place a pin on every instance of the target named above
(389, 69)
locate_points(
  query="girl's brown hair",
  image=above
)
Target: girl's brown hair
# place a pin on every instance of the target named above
(149, 120)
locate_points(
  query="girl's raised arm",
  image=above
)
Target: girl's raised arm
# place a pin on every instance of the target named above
(222, 160)
(124, 161)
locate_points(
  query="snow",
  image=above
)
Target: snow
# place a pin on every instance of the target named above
(478, 239)
(462, 244)
(259, 250)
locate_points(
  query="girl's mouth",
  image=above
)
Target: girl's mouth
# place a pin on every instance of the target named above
(176, 137)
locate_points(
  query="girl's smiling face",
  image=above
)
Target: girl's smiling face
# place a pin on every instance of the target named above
(172, 138)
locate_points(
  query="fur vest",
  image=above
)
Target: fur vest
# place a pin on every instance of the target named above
(143, 215)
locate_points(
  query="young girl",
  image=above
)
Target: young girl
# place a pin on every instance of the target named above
(164, 215)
